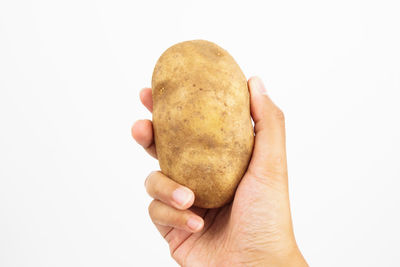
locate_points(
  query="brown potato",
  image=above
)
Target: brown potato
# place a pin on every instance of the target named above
(201, 118)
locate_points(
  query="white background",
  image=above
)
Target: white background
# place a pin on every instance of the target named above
(71, 177)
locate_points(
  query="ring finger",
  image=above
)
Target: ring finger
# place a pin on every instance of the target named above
(162, 214)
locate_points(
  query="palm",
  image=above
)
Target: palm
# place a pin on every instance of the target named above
(197, 247)
(226, 227)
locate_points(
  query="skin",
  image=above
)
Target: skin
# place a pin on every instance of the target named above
(256, 228)
(201, 120)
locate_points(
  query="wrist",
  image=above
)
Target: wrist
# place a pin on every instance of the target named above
(295, 259)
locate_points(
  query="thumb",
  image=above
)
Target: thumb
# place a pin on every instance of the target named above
(269, 155)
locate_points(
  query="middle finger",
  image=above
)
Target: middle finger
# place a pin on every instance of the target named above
(168, 191)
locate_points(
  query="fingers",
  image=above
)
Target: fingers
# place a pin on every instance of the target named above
(142, 132)
(165, 215)
(269, 154)
(162, 188)
(170, 205)
(146, 98)
(175, 236)
(164, 230)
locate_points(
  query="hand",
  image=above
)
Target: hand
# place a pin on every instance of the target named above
(256, 228)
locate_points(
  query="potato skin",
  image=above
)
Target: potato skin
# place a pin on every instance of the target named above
(201, 119)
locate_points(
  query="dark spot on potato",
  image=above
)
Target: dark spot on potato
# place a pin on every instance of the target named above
(163, 87)
(194, 85)
(207, 141)
(201, 89)
(175, 150)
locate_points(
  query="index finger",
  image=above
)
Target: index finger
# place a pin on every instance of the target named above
(146, 98)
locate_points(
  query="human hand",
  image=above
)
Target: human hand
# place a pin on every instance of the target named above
(256, 228)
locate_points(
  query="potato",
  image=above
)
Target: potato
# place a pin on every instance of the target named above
(201, 118)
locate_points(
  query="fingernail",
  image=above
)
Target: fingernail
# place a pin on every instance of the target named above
(259, 85)
(194, 223)
(181, 196)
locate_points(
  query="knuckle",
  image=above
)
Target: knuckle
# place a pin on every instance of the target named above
(152, 174)
(149, 177)
(157, 191)
(275, 166)
(151, 208)
(278, 114)
(149, 182)
(269, 178)
(277, 161)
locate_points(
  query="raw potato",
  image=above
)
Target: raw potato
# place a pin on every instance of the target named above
(201, 118)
